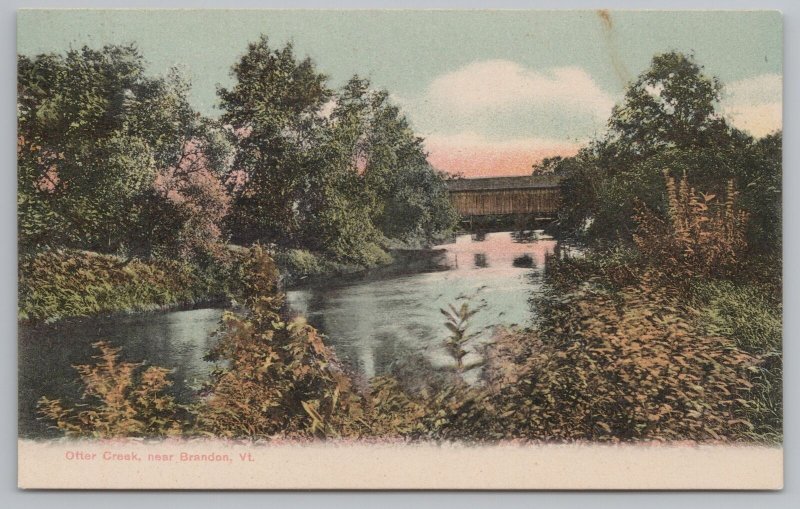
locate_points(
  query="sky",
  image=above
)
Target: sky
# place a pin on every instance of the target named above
(491, 92)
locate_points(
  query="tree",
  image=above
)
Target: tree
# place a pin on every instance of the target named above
(273, 109)
(94, 133)
(80, 165)
(670, 105)
(192, 194)
(557, 165)
(407, 197)
(668, 120)
(760, 180)
(334, 172)
(336, 211)
(372, 180)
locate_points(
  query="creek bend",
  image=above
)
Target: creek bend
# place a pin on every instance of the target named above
(373, 323)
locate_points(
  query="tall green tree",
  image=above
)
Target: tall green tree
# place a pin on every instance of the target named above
(80, 166)
(273, 109)
(672, 104)
(332, 171)
(408, 196)
(760, 181)
(94, 133)
(337, 209)
(373, 179)
(668, 120)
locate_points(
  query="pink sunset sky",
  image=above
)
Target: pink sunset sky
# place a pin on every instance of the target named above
(471, 156)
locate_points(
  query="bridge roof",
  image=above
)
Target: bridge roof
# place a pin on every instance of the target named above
(498, 183)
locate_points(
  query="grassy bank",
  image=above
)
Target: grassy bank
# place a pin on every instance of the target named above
(298, 266)
(61, 283)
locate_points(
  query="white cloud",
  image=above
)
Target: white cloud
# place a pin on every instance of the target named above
(502, 84)
(755, 104)
(759, 89)
(499, 117)
(502, 100)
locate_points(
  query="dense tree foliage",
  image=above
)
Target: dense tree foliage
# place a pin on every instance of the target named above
(669, 120)
(334, 171)
(409, 198)
(116, 161)
(670, 105)
(273, 109)
(95, 134)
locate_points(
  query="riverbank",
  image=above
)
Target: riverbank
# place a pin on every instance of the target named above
(627, 351)
(378, 321)
(621, 352)
(300, 268)
(62, 283)
(59, 284)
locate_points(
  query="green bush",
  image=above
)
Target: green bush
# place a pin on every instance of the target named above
(743, 313)
(753, 319)
(56, 284)
(373, 255)
(300, 262)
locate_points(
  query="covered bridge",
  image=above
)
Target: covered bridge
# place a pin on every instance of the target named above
(496, 196)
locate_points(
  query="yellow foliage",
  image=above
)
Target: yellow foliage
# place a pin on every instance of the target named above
(701, 234)
(121, 400)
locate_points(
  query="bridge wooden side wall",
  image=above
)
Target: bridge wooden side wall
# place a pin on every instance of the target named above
(543, 201)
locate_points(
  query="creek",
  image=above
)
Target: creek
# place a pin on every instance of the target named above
(376, 322)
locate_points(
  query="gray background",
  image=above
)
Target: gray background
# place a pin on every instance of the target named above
(11, 497)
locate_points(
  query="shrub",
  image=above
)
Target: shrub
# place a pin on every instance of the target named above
(301, 262)
(699, 237)
(280, 378)
(457, 322)
(120, 400)
(741, 312)
(746, 315)
(59, 283)
(629, 366)
(393, 412)
(55, 284)
(372, 255)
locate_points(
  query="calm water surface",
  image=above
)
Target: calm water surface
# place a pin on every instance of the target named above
(176, 340)
(373, 324)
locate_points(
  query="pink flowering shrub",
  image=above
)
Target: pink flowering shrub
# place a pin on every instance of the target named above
(197, 194)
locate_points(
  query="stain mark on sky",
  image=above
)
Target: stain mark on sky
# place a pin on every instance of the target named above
(609, 34)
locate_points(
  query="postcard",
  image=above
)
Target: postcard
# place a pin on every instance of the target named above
(432, 249)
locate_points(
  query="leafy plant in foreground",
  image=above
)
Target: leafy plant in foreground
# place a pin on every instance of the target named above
(121, 400)
(700, 236)
(457, 322)
(279, 379)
